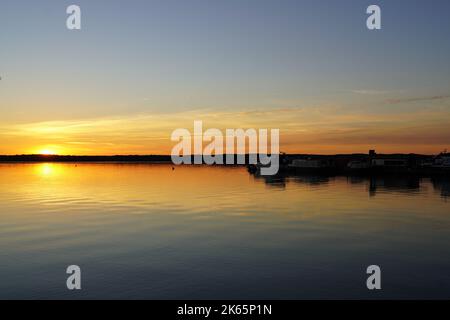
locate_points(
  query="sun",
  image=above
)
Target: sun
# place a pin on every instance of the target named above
(47, 152)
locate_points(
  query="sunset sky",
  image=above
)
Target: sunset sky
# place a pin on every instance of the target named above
(140, 69)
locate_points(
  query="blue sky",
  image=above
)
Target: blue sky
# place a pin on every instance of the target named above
(160, 57)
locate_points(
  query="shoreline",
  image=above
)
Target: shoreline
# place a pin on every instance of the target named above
(167, 158)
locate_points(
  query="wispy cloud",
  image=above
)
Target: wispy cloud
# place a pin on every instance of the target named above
(371, 92)
(418, 99)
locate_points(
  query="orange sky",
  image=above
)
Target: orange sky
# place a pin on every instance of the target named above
(322, 130)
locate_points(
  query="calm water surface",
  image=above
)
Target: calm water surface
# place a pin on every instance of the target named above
(145, 231)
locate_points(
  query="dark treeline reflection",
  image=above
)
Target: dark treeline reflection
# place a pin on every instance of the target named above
(375, 184)
(280, 180)
(442, 185)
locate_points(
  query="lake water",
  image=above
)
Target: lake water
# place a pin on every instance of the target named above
(150, 232)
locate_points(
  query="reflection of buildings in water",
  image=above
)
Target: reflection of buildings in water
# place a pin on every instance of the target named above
(404, 184)
(313, 180)
(279, 180)
(393, 184)
(442, 185)
(276, 181)
(356, 179)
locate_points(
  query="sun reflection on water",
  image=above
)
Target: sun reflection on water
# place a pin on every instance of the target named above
(47, 170)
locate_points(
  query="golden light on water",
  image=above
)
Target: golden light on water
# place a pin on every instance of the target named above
(47, 170)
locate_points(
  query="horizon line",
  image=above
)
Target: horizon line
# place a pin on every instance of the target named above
(223, 154)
